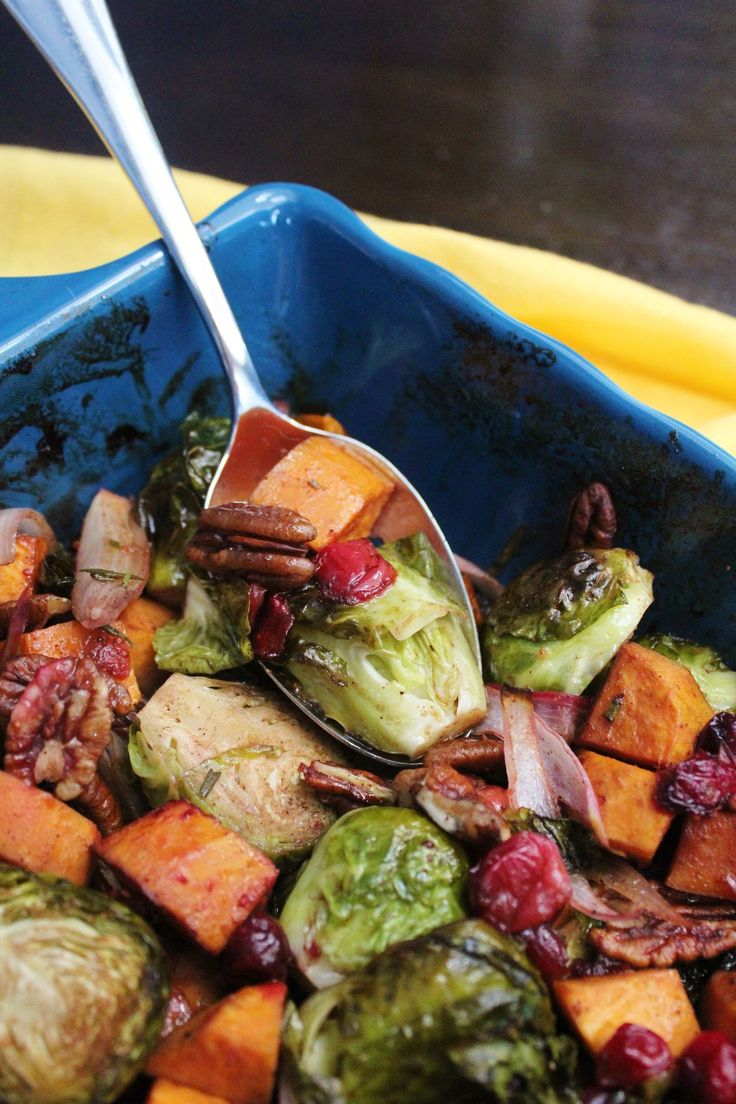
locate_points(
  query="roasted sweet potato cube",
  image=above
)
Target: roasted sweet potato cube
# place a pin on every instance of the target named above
(597, 1006)
(718, 1003)
(41, 834)
(649, 711)
(340, 494)
(634, 821)
(23, 570)
(230, 1050)
(139, 621)
(705, 860)
(164, 1091)
(205, 877)
(69, 638)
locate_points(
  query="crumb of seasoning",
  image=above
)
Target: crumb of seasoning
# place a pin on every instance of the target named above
(613, 707)
(314, 484)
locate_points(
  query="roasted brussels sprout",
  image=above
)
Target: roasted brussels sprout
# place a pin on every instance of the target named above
(235, 751)
(170, 503)
(715, 679)
(377, 877)
(398, 670)
(431, 1020)
(212, 635)
(83, 989)
(560, 622)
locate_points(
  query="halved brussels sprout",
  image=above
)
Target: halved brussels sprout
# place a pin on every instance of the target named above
(83, 990)
(377, 877)
(560, 622)
(430, 1021)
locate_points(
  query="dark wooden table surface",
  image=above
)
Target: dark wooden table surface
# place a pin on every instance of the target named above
(601, 129)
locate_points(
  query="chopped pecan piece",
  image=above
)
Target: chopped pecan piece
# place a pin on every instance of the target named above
(345, 787)
(477, 754)
(15, 676)
(658, 943)
(464, 806)
(265, 544)
(57, 731)
(592, 520)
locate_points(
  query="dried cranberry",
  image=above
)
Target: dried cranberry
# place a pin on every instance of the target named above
(109, 653)
(699, 785)
(708, 1069)
(352, 572)
(521, 883)
(632, 1056)
(272, 628)
(547, 951)
(258, 950)
(719, 736)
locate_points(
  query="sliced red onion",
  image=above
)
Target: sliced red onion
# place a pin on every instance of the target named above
(21, 520)
(616, 876)
(586, 900)
(564, 713)
(480, 578)
(569, 781)
(529, 784)
(17, 625)
(112, 561)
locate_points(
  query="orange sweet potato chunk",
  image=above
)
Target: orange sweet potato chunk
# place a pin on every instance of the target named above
(230, 1050)
(341, 495)
(69, 638)
(139, 622)
(204, 876)
(705, 860)
(649, 711)
(164, 1091)
(23, 569)
(635, 823)
(718, 1003)
(41, 834)
(597, 1006)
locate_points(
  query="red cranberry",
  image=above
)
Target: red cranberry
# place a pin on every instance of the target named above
(708, 1070)
(272, 628)
(699, 785)
(719, 736)
(521, 883)
(258, 950)
(109, 653)
(352, 572)
(631, 1056)
(547, 951)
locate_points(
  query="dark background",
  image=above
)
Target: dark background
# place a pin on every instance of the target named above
(602, 129)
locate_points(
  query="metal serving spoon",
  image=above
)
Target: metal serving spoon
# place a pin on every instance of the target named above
(78, 39)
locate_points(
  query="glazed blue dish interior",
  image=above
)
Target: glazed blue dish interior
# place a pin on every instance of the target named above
(497, 425)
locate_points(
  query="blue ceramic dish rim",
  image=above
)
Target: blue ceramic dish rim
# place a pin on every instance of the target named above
(87, 287)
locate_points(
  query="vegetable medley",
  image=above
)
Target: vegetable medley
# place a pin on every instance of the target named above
(204, 899)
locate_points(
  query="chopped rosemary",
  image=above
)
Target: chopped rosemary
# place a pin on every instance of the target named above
(313, 483)
(613, 707)
(103, 575)
(116, 632)
(114, 543)
(208, 782)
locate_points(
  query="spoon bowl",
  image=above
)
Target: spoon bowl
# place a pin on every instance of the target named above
(78, 39)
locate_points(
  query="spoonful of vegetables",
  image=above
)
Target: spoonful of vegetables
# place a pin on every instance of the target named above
(375, 641)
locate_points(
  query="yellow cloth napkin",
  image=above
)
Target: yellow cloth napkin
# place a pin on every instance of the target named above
(62, 212)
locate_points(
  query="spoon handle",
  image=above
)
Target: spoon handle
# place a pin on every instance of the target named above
(78, 39)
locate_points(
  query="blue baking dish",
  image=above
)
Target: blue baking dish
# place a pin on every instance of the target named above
(496, 424)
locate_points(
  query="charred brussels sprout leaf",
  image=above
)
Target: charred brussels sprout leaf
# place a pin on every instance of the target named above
(173, 497)
(431, 1021)
(560, 622)
(377, 877)
(82, 996)
(213, 633)
(399, 670)
(715, 679)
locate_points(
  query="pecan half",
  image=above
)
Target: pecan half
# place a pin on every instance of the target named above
(477, 754)
(346, 787)
(464, 806)
(658, 943)
(264, 544)
(592, 520)
(57, 731)
(15, 676)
